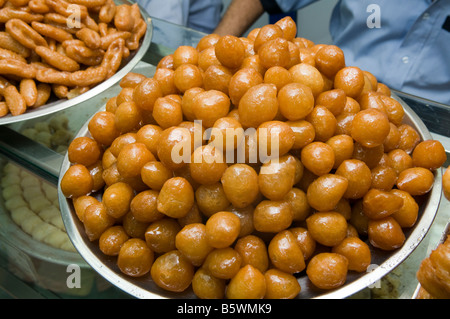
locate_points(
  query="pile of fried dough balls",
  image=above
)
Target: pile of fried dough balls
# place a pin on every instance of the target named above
(345, 180)
(59, 49)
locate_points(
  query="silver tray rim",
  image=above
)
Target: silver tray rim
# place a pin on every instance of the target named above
(63, 104)
(134, 286)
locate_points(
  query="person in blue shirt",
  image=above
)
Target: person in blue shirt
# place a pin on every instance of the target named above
(200, 15)
(405, 44)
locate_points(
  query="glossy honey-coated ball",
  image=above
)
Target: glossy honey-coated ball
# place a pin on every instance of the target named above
(327, 270)
(135, 258)
(172, 271)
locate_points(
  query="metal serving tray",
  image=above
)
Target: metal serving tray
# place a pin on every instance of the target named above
(60, 104)
(383, 261)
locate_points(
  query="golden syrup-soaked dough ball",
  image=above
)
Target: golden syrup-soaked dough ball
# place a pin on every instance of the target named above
(296, 101)
(392, 141)
(327, 228)
(166, 62)
(117, 198)
(326, 191)
(207, 41)
(217, 77)
(358, 175)
(304, 240)
(298, 201)
(223, 263)
(308, 75)
(167, 112)
(193, 242)
(318, 157)
(77, 181)
(211, 199)
(294, 53)
(174, 147)
(409, 138)
(149, 136)
(246, 217)
(351, 80)
(131, 79)
(371, 100)
(133, 227)
(385, 233)
(143, 206)
(230, 51)
(351, 106)
(446, 183)
(193, 216)
(344, 123)
(184, 54)
(248, 283)
(383, 177)
(81, 203)
(102, 128)
(146, 93)
(272, 216)
(285, 254)
(206, 286)
(288, 26)
(370, 128)
(121, 141)
(265, 34)
(280, 285)
(415, 180)
(253, 62)
(275, 53)
(369, 155)
(84, 150)
(334, 100)
(135, 258)
(429, 154)
(112, 239)
(327, 270)
(399, 160)
(132, 158)
(207, 58)
(258, 105)
(394, 109)
(128, 117)
(240, 184)
(276, 177)
(227, 134)
(154, 174)
(209, 106)
(222, 229)
(306, 56)
(96, 220)
(241, 81)
(253, 251)
(187, 101)
(378, 204)
(176, 197)
(324, 122)
(356, 251)
(172, 271)
(207, 165)
(329, 60)
(165, 78)
(160, 235)
(343, 146)
(407, 215)
(304, 133)
(187, 76)
(248, 44)
(125, 95)
(277, 75)
(275, 139)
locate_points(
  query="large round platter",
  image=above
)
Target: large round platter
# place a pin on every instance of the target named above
(383, 262)
(128, 64)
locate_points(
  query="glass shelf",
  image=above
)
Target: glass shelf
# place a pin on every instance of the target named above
(43, 161)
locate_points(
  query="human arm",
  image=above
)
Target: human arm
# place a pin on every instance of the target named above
(240, 15)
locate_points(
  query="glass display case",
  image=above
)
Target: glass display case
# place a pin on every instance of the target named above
(37, 265)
